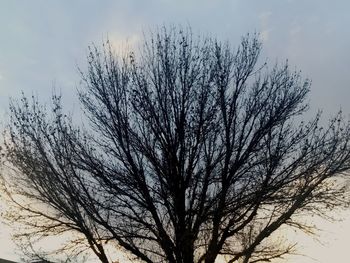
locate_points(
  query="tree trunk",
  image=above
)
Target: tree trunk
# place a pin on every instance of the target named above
(210, 257)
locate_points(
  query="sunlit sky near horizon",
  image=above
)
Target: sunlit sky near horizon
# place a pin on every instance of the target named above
(43, 42)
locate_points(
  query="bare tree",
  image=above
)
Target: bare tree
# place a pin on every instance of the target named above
(193, 151)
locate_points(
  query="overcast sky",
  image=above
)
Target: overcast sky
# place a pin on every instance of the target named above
(42, 42)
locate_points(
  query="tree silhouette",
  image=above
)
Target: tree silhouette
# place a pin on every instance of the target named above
(192, 151)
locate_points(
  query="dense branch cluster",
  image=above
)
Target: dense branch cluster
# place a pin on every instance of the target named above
(193, 151)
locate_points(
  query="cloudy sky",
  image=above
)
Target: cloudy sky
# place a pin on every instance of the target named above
(42, 42)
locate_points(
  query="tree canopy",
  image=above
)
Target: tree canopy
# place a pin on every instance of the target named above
(191, 150)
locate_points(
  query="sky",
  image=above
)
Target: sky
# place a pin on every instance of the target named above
(43, 42)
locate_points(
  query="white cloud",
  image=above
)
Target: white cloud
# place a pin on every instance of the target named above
(264, 35)
(264, 18)
(121, 44)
